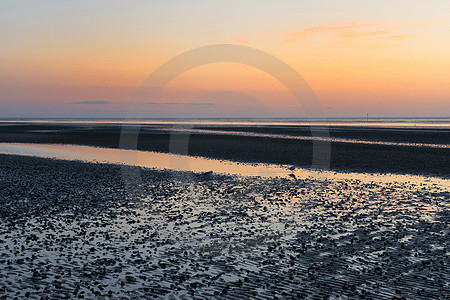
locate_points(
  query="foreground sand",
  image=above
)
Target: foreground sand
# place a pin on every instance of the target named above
(72, 229)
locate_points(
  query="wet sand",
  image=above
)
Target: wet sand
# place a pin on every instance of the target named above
(73, 229)
(218, 141)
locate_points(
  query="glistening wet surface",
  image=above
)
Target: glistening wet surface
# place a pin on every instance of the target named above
(72, 229)
(178, 162)
(317, 136)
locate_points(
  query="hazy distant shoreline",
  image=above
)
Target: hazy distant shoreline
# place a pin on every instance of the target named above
(360, 121)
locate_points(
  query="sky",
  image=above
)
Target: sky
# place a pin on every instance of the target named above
(89, 59)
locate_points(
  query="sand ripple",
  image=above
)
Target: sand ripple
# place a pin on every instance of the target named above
(76, 231)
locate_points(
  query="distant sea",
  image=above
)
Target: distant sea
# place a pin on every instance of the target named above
(438, 122)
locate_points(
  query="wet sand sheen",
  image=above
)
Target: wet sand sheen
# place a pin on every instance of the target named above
(177, 162)
(356, 149)
(71, 229)
(306, 138)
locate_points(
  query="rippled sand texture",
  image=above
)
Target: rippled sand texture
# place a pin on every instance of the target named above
(75, 230)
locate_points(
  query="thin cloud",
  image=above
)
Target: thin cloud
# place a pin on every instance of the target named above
(162, 103)
(351, 34)
(361, 28)
(423, 24)
(202, 104)
(182, 103)
(93, 102)
(340, 27)
(402, 36)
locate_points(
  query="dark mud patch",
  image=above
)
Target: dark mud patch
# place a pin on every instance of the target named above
(74, 230)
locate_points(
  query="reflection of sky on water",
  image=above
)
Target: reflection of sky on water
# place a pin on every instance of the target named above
(219, 231)
(307, 138)
(199, 164)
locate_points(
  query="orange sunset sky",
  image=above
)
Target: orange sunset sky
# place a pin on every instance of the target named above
(88, 58)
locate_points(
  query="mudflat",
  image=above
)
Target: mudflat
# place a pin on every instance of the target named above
(83, 230)
(363, 149)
